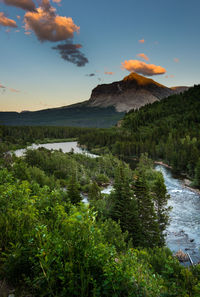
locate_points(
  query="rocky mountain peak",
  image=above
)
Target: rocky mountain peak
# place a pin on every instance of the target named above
(132, 92)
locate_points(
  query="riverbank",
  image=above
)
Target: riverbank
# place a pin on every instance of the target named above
(186, 181)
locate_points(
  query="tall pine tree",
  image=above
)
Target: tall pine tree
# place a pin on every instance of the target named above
(73, 190)
(124, 208)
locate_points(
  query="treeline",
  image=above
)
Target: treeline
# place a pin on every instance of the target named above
(29, 134)
(54, 245)
(168, 130)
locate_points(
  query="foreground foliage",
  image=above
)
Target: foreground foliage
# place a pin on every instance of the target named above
(55, 248)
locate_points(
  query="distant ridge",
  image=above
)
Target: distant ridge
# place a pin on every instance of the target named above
(107, 105)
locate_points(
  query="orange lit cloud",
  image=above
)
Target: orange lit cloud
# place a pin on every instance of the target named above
(47, 25)
(143, 68)
(109, 72)
(176, 60)
(56, 1)
(141, 41)
(24, 4)
(6, 22)
(143, 56)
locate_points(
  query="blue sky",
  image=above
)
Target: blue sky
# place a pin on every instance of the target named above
(34, 76)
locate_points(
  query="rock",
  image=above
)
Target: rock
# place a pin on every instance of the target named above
(181, 256)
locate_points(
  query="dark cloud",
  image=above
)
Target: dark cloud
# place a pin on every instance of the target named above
(90, 74)
(71, 53)
(6, 22)
(24, 4)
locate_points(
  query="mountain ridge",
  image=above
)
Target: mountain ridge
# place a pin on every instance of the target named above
(107, 105)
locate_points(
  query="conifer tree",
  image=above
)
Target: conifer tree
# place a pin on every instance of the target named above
(149, 228)
(124, 208)
(94, 193)
(73, 190)
(160, 202)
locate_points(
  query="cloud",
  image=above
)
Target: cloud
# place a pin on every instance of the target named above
(176, 60)
(109, 73)
(143, 68)
(90, 74)
(47, 25)
(2, 87)
(143, 56)
(71, 53)
(141, 41)
(14, 90)
(56, 1)
(4, 21)
(24, 4)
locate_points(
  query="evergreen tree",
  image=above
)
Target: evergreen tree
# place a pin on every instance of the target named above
(94, 193)
(160, 202)
(124, 208)
(73, 190)
(149, 228)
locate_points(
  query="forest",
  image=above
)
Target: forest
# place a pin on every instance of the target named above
(168, 130)
(52, 243)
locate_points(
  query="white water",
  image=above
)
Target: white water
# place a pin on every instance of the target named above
(184, 229)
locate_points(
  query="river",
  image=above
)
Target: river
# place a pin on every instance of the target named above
(184, 229)
(66, 147)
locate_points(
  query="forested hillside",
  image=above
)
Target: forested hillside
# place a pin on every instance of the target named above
(168, 130)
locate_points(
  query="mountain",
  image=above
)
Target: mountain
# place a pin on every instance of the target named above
(133, 92)
(107, 105)
(76, 116)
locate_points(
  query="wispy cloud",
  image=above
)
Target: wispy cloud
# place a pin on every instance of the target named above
(143, 56)
(4, 88)
(143, 68)
(14, 90)
(6, 22)
(24, 4)
(71, 53)
(109, 72)
(176, 60)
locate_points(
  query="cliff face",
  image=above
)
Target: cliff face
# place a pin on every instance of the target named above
(132, 92)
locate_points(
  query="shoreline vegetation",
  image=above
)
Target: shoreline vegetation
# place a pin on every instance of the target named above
(186, 181)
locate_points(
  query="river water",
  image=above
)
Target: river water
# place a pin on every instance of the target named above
(184, 229)
(66, 147)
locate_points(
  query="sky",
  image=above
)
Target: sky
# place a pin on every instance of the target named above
(54, 52)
